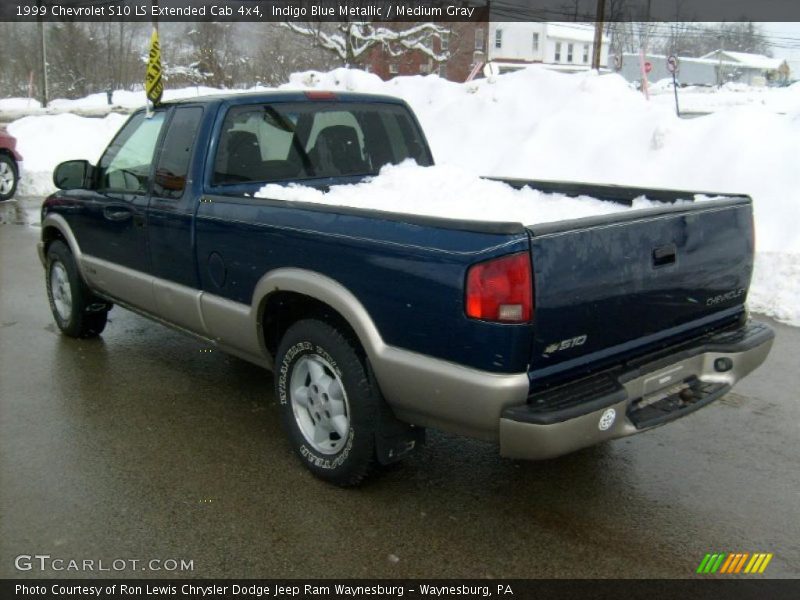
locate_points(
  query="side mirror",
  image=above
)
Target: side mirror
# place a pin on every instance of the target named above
(73, 175)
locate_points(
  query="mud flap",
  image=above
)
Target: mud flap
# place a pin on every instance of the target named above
(396, 440)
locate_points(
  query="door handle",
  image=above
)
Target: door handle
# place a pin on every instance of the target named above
(117, 213)
(664, 255)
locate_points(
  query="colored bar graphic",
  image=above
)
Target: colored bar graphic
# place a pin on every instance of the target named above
(752, 563)
(765, 563)
(734, 563)
(734, 556)
(740, 564)
(718, 563)
(703, 563)
(727, 564)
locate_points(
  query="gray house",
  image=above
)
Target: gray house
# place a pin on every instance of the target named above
(712, 69)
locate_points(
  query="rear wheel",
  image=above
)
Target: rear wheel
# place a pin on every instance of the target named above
(77, 312)
(8, 177)
(329, 406)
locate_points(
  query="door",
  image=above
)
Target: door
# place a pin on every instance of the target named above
(170, 213)
(113, 227)
(170, 222)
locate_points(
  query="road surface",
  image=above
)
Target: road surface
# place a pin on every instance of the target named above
(143, 445)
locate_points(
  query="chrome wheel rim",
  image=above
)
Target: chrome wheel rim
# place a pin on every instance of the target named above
(319, 404)
(60, 290)
(6, 178)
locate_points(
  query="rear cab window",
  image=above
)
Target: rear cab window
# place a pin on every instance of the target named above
(172, 168)
(273, 142)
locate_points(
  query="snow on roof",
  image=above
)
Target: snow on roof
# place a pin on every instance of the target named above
(571, 31)
(746, 59)
(709, 59)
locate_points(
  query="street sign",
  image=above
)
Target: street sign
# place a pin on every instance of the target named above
(648, 66)
(672, 67)
(672, 64)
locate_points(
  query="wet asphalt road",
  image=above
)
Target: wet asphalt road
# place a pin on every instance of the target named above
(139, 445)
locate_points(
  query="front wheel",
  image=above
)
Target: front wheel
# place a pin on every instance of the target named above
(77, 312)
(329, 406)
(8, 177)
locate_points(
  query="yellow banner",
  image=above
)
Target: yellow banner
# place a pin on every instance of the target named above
(153, 83)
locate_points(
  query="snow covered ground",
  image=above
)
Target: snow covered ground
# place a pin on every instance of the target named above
(545, 125)
(711, 99)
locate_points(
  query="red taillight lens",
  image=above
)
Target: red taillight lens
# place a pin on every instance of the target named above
(501, 289)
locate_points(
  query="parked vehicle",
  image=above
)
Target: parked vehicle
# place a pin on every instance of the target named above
(376, 325)
(9, 165)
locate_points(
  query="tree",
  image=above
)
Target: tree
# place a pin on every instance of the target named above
(350, 41)
(281, 53)
(215, 54)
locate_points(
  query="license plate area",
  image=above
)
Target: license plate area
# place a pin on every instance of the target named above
(674, 401)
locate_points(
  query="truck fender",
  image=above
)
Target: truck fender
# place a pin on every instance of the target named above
(56, 221)
(395, 439)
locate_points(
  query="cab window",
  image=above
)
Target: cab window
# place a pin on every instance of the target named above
(126, 165)
(176, 152)
(296, 141)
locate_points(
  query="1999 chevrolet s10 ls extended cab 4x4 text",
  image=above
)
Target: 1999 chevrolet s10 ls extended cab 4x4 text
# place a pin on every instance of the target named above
(545, 338)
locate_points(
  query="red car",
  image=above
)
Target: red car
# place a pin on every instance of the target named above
(9, 165)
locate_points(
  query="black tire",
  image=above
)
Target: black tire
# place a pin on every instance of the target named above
(312, 340)
(87, 315)
(8, 168)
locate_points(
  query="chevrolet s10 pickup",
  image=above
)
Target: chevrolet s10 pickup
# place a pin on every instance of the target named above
(376, 325)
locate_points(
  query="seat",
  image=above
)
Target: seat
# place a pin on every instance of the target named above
(338, 152)
(244, 157)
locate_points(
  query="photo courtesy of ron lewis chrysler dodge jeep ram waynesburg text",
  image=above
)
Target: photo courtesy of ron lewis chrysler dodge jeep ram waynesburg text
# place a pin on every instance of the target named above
(545, 338)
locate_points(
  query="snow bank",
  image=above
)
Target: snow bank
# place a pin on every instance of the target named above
(133, 100)
(539, 124)
(46, 141)
(17, 104)
(450, 192)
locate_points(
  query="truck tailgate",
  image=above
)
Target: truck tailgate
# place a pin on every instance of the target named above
(619, 285)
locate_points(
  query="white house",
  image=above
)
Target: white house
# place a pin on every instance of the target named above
(562, 46)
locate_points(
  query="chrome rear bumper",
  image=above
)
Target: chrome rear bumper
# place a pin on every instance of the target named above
(635, 400)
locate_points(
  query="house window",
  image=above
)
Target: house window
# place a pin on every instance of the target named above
(586, 54)
(443, 71)
(444, 41)
(393, 69)
(479, 39)
(569, 52)
(558, 52)
(423, 68)
(498, 38)
(535, 46)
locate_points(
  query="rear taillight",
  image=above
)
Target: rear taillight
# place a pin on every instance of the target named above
(320, 95)
(501, 289)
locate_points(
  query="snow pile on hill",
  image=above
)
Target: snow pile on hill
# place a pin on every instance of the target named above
(452, 193)
(539, 124)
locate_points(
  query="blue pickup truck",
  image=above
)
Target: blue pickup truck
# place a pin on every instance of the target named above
(375, 324)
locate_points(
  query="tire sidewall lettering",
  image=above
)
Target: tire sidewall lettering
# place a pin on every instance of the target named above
(291, 356)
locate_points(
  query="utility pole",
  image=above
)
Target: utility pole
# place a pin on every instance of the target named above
(644, 35)
(598, 33)
(43, 38)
